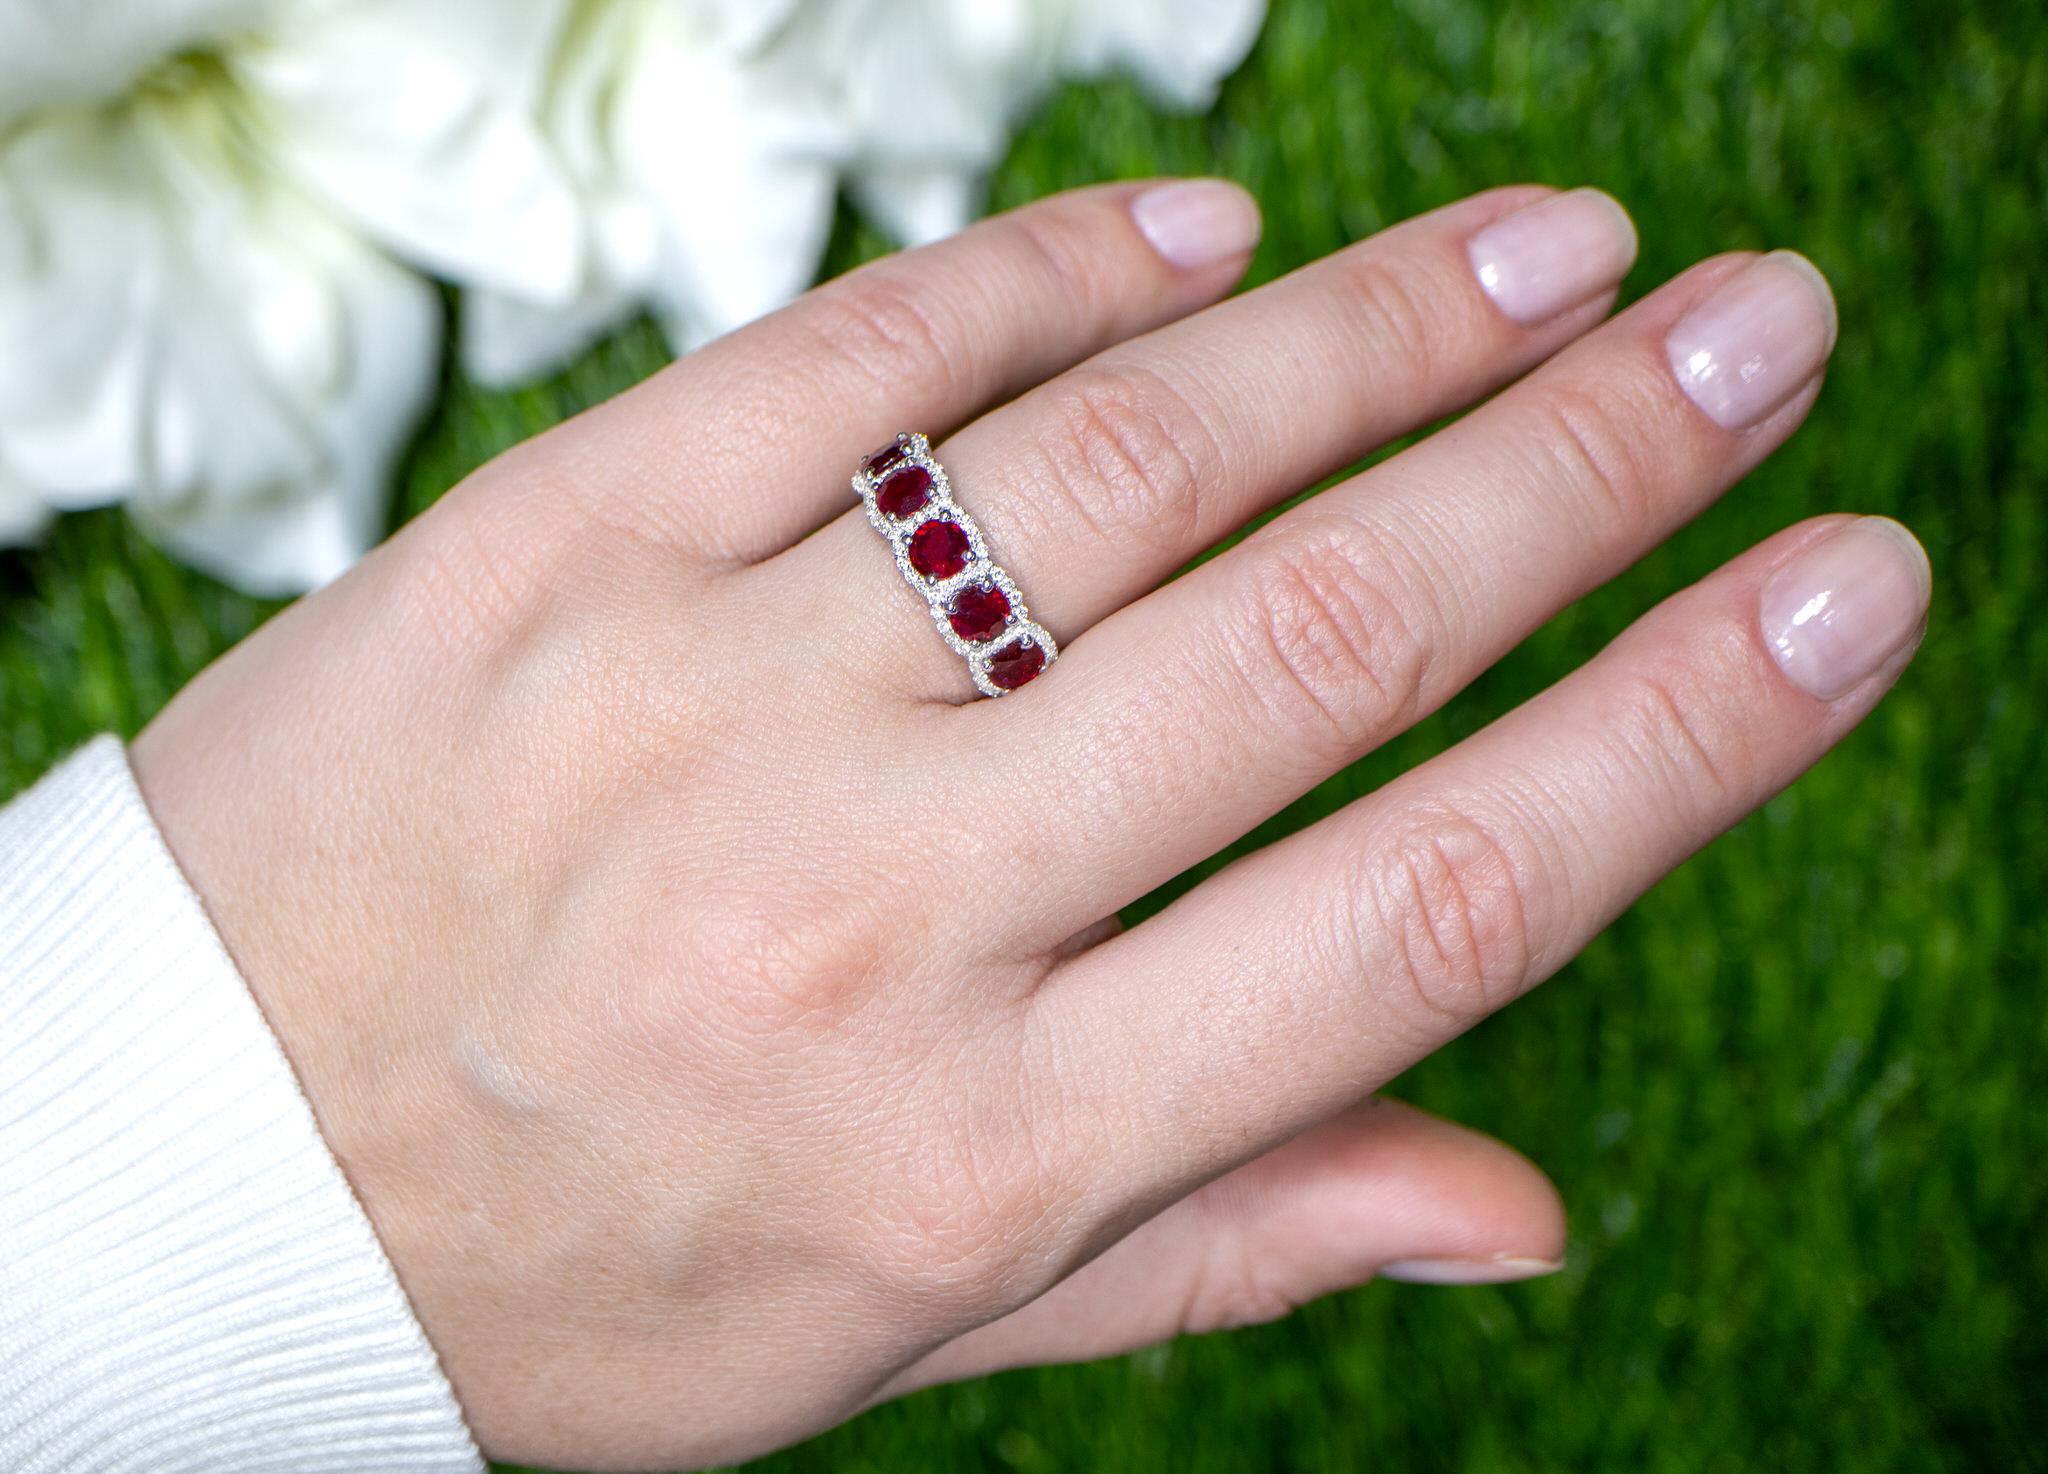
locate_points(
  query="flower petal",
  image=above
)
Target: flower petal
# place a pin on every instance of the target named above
(414, 121)
(320, 350)
(708, 195)
(918, 203)
(261, 368)
(80, 266)
(707, 138)
(925, 82)
(507, 340)
(66, 51)
(740, 227)
(23, 514)
(1179, 49)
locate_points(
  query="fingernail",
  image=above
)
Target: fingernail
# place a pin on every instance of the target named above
(1494, 1271)
(1757, 341)
(1195, 223)
(1836, 613)
(1553, 254)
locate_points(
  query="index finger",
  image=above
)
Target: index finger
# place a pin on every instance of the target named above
(744, 446)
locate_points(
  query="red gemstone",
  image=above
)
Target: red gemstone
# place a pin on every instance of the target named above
(887, 456)
(939, 548)
(905, 491)
(1014, 664)
(979, 612)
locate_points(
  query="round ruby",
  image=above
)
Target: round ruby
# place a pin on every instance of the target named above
(939, 548)
(979, 612)
(889, 455)
(905, 491)
(1014, 664)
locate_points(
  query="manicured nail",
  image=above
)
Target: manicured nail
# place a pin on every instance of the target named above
(1494, 1271)
(1836, 613)
(1195, 223)
(1757, 341)
(1553, 254)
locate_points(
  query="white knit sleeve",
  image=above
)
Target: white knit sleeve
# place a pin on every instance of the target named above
(186, 1280)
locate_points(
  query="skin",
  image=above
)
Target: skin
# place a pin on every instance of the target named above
(722, 1017)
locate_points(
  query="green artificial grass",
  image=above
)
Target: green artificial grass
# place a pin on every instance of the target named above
(1785, 1096)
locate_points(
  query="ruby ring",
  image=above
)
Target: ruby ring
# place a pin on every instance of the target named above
(941, 555)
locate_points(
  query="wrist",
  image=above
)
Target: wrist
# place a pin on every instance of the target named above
(169, 1146)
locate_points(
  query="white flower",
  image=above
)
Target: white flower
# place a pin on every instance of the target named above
(22, 512)
(710, 137)
(214, 213)
(707, 189)
(198, 314)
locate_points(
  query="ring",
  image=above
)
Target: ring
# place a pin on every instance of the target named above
(941, 554)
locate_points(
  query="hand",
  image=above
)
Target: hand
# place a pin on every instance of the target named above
(722, 1016)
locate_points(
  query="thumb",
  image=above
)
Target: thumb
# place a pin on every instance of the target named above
(1382, 1189)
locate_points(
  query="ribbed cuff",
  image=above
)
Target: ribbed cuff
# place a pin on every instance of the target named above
(186, 1280)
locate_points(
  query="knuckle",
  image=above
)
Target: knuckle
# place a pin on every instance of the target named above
(884, 326)
(1073, 271)
(1347, 642)
(1398, 313)
(1593, 444)
(1125, 451)
(968, 1213)
(1446, 918)
(796, 971)
(1230, 1288)
(1665, 724)
(476, 589)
